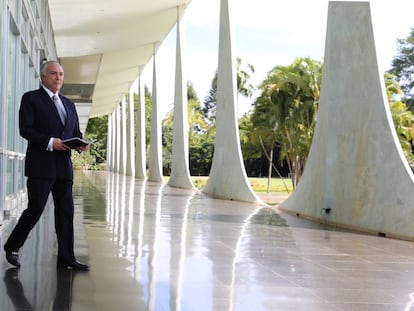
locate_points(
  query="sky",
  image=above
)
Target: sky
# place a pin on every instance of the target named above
(266, 33)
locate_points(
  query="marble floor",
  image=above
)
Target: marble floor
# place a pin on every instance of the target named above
(152, 247)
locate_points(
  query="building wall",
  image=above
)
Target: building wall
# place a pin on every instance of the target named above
(26, 39)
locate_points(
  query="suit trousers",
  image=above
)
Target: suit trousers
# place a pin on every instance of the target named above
(38, 191)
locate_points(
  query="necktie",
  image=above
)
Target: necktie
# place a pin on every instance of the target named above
(60, 108)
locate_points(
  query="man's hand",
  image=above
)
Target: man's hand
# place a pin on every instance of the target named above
(84, 148)
(58, 145)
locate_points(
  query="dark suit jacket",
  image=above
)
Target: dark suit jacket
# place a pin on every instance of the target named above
(39, 121)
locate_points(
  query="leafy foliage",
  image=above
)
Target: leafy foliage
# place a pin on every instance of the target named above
(402, 67)
(244, 88)
(95, 158)
(201, 154)
(201, 141)
(285, 113)
(403, 118)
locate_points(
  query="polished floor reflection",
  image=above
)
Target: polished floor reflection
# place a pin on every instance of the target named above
(152, 247)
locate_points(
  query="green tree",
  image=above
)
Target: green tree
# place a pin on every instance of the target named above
(200, 142)
(250, 146)
(244, 88)
(148, 107)
(191, 92)
(403, 118)
(285, 112)
(97, 131)
(201, 153)
(402, 67)
(167, 141)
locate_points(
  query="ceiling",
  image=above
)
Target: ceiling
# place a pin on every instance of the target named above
(102, 43)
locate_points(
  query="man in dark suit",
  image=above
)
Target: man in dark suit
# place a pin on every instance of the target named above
(45, 119)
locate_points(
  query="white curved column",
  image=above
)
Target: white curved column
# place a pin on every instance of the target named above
(130, 167)
(228, 177)
(140, 155)
(356, 174)
(180, 172)
(155, 155)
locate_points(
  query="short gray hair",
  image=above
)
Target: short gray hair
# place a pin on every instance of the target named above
(44, 65)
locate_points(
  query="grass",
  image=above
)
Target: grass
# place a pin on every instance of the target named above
(258, 184)
(276, 184)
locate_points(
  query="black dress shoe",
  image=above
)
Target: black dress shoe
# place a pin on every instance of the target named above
(13, 258)
(76, 265)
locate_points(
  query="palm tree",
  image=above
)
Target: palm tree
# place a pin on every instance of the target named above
(244, 88)
(285, 112)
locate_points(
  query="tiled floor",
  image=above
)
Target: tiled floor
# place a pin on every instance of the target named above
(152, 247)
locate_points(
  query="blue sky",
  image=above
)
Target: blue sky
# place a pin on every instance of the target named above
(267, 33)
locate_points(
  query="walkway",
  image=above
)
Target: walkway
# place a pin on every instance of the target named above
(153, 247)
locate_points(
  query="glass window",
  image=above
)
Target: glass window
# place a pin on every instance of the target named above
(20, 174)
(3, 54)
(10, 175)
(2, 177)
(12, 71)
(2, 84)
(19, 65)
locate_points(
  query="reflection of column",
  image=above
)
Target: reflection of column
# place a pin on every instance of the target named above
(44, 238)
(410, 304)
(180, 173)
(110, 184)
(247, 288)
(140, 160)
(118, 138)
(109, 145)
(115, 208)
(123, 158)
(121, 214)
(131, 195)
(153, 264)
(155, 156)
(246, 223)
(227, 177)
(178, 284)
(140, 235)
(113, 139)
(130, 167)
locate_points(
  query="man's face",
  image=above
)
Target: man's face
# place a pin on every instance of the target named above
(53, 78)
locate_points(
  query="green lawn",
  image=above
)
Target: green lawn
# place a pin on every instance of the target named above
(276, 184)
(258, 184)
